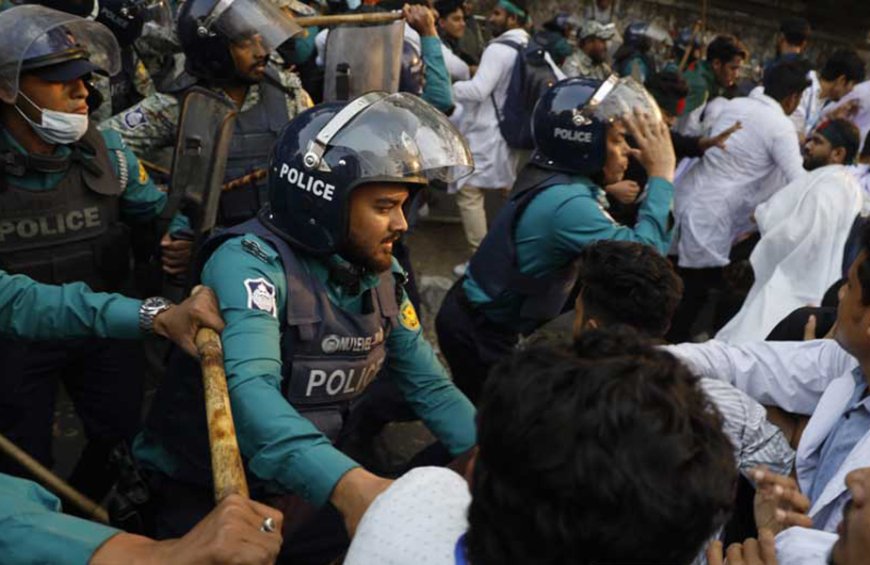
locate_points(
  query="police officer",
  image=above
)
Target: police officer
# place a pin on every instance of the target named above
(66, 189)
(315, 308)
(226, 47)
(34, 529)
(523, 274)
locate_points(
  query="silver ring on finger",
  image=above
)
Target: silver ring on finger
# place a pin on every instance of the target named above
(268, 526)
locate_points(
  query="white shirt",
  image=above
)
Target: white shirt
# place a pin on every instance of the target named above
(806, 377)
(714, 200)
(456, 67)
(802, 546)
(808, 114)
(805, 224)
(861, 93)
(494, 162)
(418, 520)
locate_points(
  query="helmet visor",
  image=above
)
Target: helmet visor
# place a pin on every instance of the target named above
(238, 20)
(157, 13)
(617, 98)
(401, 137)
(36, 37)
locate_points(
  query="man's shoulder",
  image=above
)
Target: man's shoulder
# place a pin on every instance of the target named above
(235, 253)
(147, 113)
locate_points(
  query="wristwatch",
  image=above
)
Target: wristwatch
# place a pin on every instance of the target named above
(149, 310)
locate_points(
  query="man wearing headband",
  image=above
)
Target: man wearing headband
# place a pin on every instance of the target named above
(804, 228)
(479, 102)
(525, 271)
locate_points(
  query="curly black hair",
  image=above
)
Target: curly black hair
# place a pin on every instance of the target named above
(629, 283)
(610, 455)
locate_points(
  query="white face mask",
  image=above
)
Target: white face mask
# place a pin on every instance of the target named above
(58, 128)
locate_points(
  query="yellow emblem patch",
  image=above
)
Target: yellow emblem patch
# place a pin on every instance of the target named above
(408, 317)
(143, 174)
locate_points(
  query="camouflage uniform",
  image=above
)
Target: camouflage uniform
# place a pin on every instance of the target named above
(580, 64)
(151, 125)
(142, 84)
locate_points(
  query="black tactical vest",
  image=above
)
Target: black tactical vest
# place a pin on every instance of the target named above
(329, 356)
(122, 86)
(494, 265)
(72, 231)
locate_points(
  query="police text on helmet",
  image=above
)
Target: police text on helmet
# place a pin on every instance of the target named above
(573, 135)
(306, 182)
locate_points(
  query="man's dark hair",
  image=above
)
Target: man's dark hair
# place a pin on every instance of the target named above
(724, 48)
(784, 78)
(841, 133)
(865, 150)
(843, 62)
(597, 459)
(795, 30)
(447, 7)
(864, 268)
(629, 283)
(668, 87)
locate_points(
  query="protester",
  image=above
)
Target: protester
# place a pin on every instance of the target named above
(714, 200)
(824, 379)
(451, 28)
(710, 79)
(805, 223)
(474, 39)
(522, 275)
(589, 60)
(479, 100)
(645, 451)
(861, 171)
(792, 39)
(841, 72)
(312, 296)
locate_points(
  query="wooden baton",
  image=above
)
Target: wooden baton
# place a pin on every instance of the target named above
(54, 483)
(340, 19)
(226, 460)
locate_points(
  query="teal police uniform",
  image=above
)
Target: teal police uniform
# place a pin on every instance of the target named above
(279, 445)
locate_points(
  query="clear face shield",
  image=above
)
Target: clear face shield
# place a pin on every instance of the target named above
(617, 98)
(238, 20)
(396, 137)
(25, 36)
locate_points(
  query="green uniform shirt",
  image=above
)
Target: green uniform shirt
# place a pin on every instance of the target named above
(32, 310)
(279, 445)
(702, 85)
(33, 529)
(437, 90)
(558, 223)
(151, 126)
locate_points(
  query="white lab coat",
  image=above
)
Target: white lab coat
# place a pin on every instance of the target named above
(803, 229)
(714, 200)
(808, 377)
(475, 116)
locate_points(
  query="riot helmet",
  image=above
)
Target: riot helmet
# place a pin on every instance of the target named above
(206, 28)
(326, 152)
(570, 121)
(125, 18)
(56, 45)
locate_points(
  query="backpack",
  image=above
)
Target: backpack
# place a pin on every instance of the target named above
(530, 78)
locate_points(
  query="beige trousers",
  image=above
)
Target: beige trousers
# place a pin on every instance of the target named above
(476, 205)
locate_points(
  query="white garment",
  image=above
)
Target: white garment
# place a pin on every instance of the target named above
(803, 229)
(802, 546)
(805, 377)
(861, 93)
(808, 114)
(862, 176)
(714, 200)
(417, 520)
(494, 162)
(456, 67)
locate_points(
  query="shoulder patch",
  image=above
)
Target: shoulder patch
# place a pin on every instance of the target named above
(135, 118)
(143, 174)
(261, 296)
(408, 317)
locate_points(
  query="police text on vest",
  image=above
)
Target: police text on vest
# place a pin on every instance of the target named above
(56, 224)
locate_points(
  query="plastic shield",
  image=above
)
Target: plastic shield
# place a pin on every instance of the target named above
(399, 136)
(617, 97)
(200, 158)
(238, 20)
(25, 26)
(362, 59)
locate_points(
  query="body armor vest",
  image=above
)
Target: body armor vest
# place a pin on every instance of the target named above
(122, 86)
(254, 133)
(494, 266)
(70, 232)
(329, 356)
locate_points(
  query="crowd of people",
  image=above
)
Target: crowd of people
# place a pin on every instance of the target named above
(656, 351)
